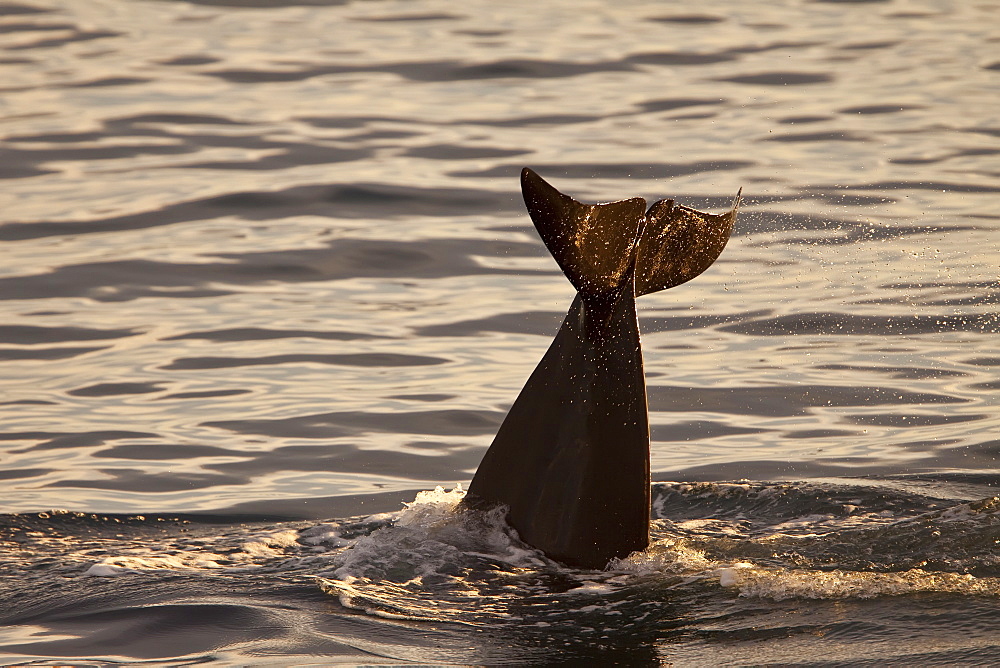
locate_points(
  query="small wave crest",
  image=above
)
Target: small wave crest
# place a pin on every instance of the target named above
(778, 584)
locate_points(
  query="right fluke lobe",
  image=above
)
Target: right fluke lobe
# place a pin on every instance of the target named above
(679, 243)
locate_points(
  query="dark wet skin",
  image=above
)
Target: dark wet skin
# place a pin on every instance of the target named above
(571, 459)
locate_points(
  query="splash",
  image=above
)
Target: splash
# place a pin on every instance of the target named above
(432, 537)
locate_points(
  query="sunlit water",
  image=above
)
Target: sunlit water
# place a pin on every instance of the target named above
(267, 275)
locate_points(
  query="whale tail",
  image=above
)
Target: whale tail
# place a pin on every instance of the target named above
(600, 246)
(571, 459)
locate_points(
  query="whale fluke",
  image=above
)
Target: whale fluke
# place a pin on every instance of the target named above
(571, 459)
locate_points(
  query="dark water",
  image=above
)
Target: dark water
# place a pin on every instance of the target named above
(267, 276)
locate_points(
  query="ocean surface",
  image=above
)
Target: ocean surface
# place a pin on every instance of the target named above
(267, 290)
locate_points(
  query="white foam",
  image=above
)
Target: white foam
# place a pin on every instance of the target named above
(112, 566)
(729, 575)
(269, 544)
(431, 536)
(431, 507)
(251, 553)
(327, 534)
(664, 556)
(778, 584)
(671, 557)
(590, 587)
(966, 511)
